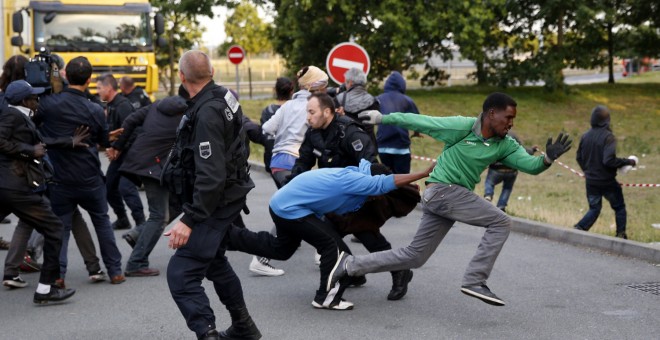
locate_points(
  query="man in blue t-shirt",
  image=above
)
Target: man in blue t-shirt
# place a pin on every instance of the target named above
(298, 211)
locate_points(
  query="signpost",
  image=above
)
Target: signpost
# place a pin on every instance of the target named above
(344, 57)
(236, 54)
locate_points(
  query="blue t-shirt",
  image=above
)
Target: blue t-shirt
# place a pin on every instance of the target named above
(336, 190)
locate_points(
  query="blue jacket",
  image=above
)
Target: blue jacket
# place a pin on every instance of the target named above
(59, 115)
(394, 100)
(329, 190)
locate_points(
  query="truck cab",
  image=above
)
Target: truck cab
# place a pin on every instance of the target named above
(115, 35)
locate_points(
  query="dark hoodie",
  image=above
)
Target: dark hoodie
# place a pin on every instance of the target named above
(394, 100)
(159, 121)
(596, 154)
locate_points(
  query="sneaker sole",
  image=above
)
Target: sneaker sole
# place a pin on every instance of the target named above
(318, 306)
(487, 299)
(265, 273)
(328, 286)
(13, 284)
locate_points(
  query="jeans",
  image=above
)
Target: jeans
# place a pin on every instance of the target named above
(443, 205)
(399, 164)
(120, 189)
(65, 199)
(318, 233)
(24, 233)
(204, 256)
(495, 177)
(33, 209)
(613, 194)
(149, 232)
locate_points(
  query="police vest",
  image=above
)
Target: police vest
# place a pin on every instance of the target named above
(179, 170)
(329, 151)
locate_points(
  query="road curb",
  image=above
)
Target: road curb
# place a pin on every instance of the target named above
(586, 239)
(604, 243)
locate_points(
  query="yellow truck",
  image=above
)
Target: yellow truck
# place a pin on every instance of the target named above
(115, 35)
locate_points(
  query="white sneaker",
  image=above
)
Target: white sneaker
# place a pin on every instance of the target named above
(264, 269)
(342, 305)
(317, 259)
(97, 277)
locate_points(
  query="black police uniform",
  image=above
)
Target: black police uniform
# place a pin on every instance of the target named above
(208, 169)
(343, 143)
(138, 97)
(118, 190)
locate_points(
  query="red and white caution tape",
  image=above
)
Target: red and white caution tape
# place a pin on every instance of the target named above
(428, 159)
(641, 185)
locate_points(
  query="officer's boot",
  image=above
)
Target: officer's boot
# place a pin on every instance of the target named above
(400, 280)
(121, 223)
(242, 327)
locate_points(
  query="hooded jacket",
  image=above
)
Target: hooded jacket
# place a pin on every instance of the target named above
(394, 100)
(159, 121)
(596, 154)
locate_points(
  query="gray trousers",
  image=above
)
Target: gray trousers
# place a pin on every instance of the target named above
(443, 205)
(23, 233)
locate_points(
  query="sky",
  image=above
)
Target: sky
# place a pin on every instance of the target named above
(215, 28)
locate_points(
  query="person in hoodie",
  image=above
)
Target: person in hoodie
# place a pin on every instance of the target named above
(394, 141)
(356, 99)
(596, 156)
(142, 164)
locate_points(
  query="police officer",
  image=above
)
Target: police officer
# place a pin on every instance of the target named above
(334, 140)
(208, 169)
(119, 188)
(135, 94)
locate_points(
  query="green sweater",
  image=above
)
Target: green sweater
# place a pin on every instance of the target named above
(466, 153)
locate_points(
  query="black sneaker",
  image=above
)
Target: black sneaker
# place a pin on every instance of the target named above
(357, 281)
(211, 335)
(14, 282)
(338, 271)
(55, 294)
(482, 293)
(121, 223)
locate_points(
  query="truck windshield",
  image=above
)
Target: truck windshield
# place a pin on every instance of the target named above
(92, 32)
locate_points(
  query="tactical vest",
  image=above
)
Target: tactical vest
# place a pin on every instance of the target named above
(178, 173)
(329, 152)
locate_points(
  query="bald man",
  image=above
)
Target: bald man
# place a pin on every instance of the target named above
(135, 94)
(208, 171)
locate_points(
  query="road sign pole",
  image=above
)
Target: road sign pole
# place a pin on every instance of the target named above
(238, 89)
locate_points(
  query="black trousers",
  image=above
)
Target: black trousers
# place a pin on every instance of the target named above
(318, 233)
(33, 209)
(204, 256)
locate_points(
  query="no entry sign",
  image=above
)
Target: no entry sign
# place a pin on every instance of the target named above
(344, 57)
(236, 54)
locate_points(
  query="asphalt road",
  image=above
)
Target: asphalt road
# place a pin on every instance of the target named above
(552, 290)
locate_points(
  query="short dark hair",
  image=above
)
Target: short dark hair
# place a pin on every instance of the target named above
(498, 101)
(325, 101)
(380, 169)
(107, 79)
(127, 81)
(13, 69)
(78, 71)
(283, 88)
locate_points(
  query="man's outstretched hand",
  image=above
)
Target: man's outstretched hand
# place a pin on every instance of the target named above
(558, 148)
(371, 117)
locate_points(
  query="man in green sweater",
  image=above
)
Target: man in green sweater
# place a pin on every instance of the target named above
(471, 144)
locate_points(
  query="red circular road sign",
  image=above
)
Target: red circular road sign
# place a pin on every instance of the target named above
(236, 54)
(344, 57)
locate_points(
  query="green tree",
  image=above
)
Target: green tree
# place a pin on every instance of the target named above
(244, 27)
(182, 31)
(396, 34)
